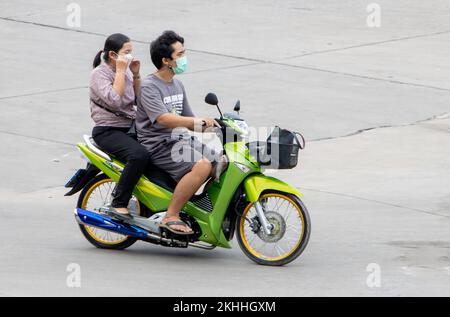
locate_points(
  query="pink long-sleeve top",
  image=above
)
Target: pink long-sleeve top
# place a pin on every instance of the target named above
(101, 91)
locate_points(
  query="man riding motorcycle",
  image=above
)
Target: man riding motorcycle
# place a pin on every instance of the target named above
(163, 119)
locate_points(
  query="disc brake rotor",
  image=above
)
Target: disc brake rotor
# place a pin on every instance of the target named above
(279, 227)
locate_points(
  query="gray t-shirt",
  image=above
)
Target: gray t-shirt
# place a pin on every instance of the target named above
(156, 98)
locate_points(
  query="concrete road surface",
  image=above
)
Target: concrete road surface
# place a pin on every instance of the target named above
(373, 103)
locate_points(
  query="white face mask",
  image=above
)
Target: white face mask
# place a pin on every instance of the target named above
(129, 58)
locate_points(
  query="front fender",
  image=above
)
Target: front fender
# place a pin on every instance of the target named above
(255, 184)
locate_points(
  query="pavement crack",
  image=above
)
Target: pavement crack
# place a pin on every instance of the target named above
(375, 201)
(37, 138)
(362, 76)
(257, 61)
(43, 92)
(221, 68)
(435, 117)
(367, 44)
(51, 26)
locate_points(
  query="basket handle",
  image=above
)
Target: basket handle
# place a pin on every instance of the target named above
(301, 145)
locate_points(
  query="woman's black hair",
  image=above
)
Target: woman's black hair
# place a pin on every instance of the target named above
(114, 43)
(162, 47)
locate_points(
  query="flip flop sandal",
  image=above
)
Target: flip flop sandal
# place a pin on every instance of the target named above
(175, 222)
(119, 216)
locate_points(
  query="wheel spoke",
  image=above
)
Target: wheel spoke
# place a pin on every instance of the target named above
(280, 250)
(100, 193)
(109, 190)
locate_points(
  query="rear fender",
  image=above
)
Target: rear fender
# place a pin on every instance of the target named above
(90, 172)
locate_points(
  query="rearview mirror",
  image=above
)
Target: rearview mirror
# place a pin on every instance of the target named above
(211, 99)
(237, 106)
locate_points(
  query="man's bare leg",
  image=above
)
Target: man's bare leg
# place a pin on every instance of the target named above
(185, 189)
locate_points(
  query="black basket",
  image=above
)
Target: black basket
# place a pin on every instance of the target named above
(280, 151)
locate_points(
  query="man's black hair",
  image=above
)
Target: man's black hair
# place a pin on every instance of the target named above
(162, 47)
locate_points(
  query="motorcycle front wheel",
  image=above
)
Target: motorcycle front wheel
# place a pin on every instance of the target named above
(290, 234)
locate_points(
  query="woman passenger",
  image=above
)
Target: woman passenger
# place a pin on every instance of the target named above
(114, 84)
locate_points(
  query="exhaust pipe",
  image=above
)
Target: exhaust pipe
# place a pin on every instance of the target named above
(93, 219)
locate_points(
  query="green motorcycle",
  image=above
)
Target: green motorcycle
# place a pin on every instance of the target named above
(271, 222)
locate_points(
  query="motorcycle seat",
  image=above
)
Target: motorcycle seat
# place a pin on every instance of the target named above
(152, 172)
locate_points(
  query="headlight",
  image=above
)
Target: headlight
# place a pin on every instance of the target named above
(243, 168)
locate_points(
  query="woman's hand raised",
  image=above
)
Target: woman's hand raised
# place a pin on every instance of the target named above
(135, 65)
(121, 64)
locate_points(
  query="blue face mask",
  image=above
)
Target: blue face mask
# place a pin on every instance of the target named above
(181, 65)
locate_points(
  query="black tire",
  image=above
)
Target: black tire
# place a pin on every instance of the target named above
(119, 246)
(298, 250)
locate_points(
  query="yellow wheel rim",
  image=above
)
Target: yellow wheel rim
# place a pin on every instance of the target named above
(294, 226)
(99, 195)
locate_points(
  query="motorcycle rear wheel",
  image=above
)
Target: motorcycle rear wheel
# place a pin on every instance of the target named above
(96, 194)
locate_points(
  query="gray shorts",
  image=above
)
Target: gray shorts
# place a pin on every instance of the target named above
(178, 157)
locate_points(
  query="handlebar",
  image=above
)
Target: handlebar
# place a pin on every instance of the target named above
(220, 122)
